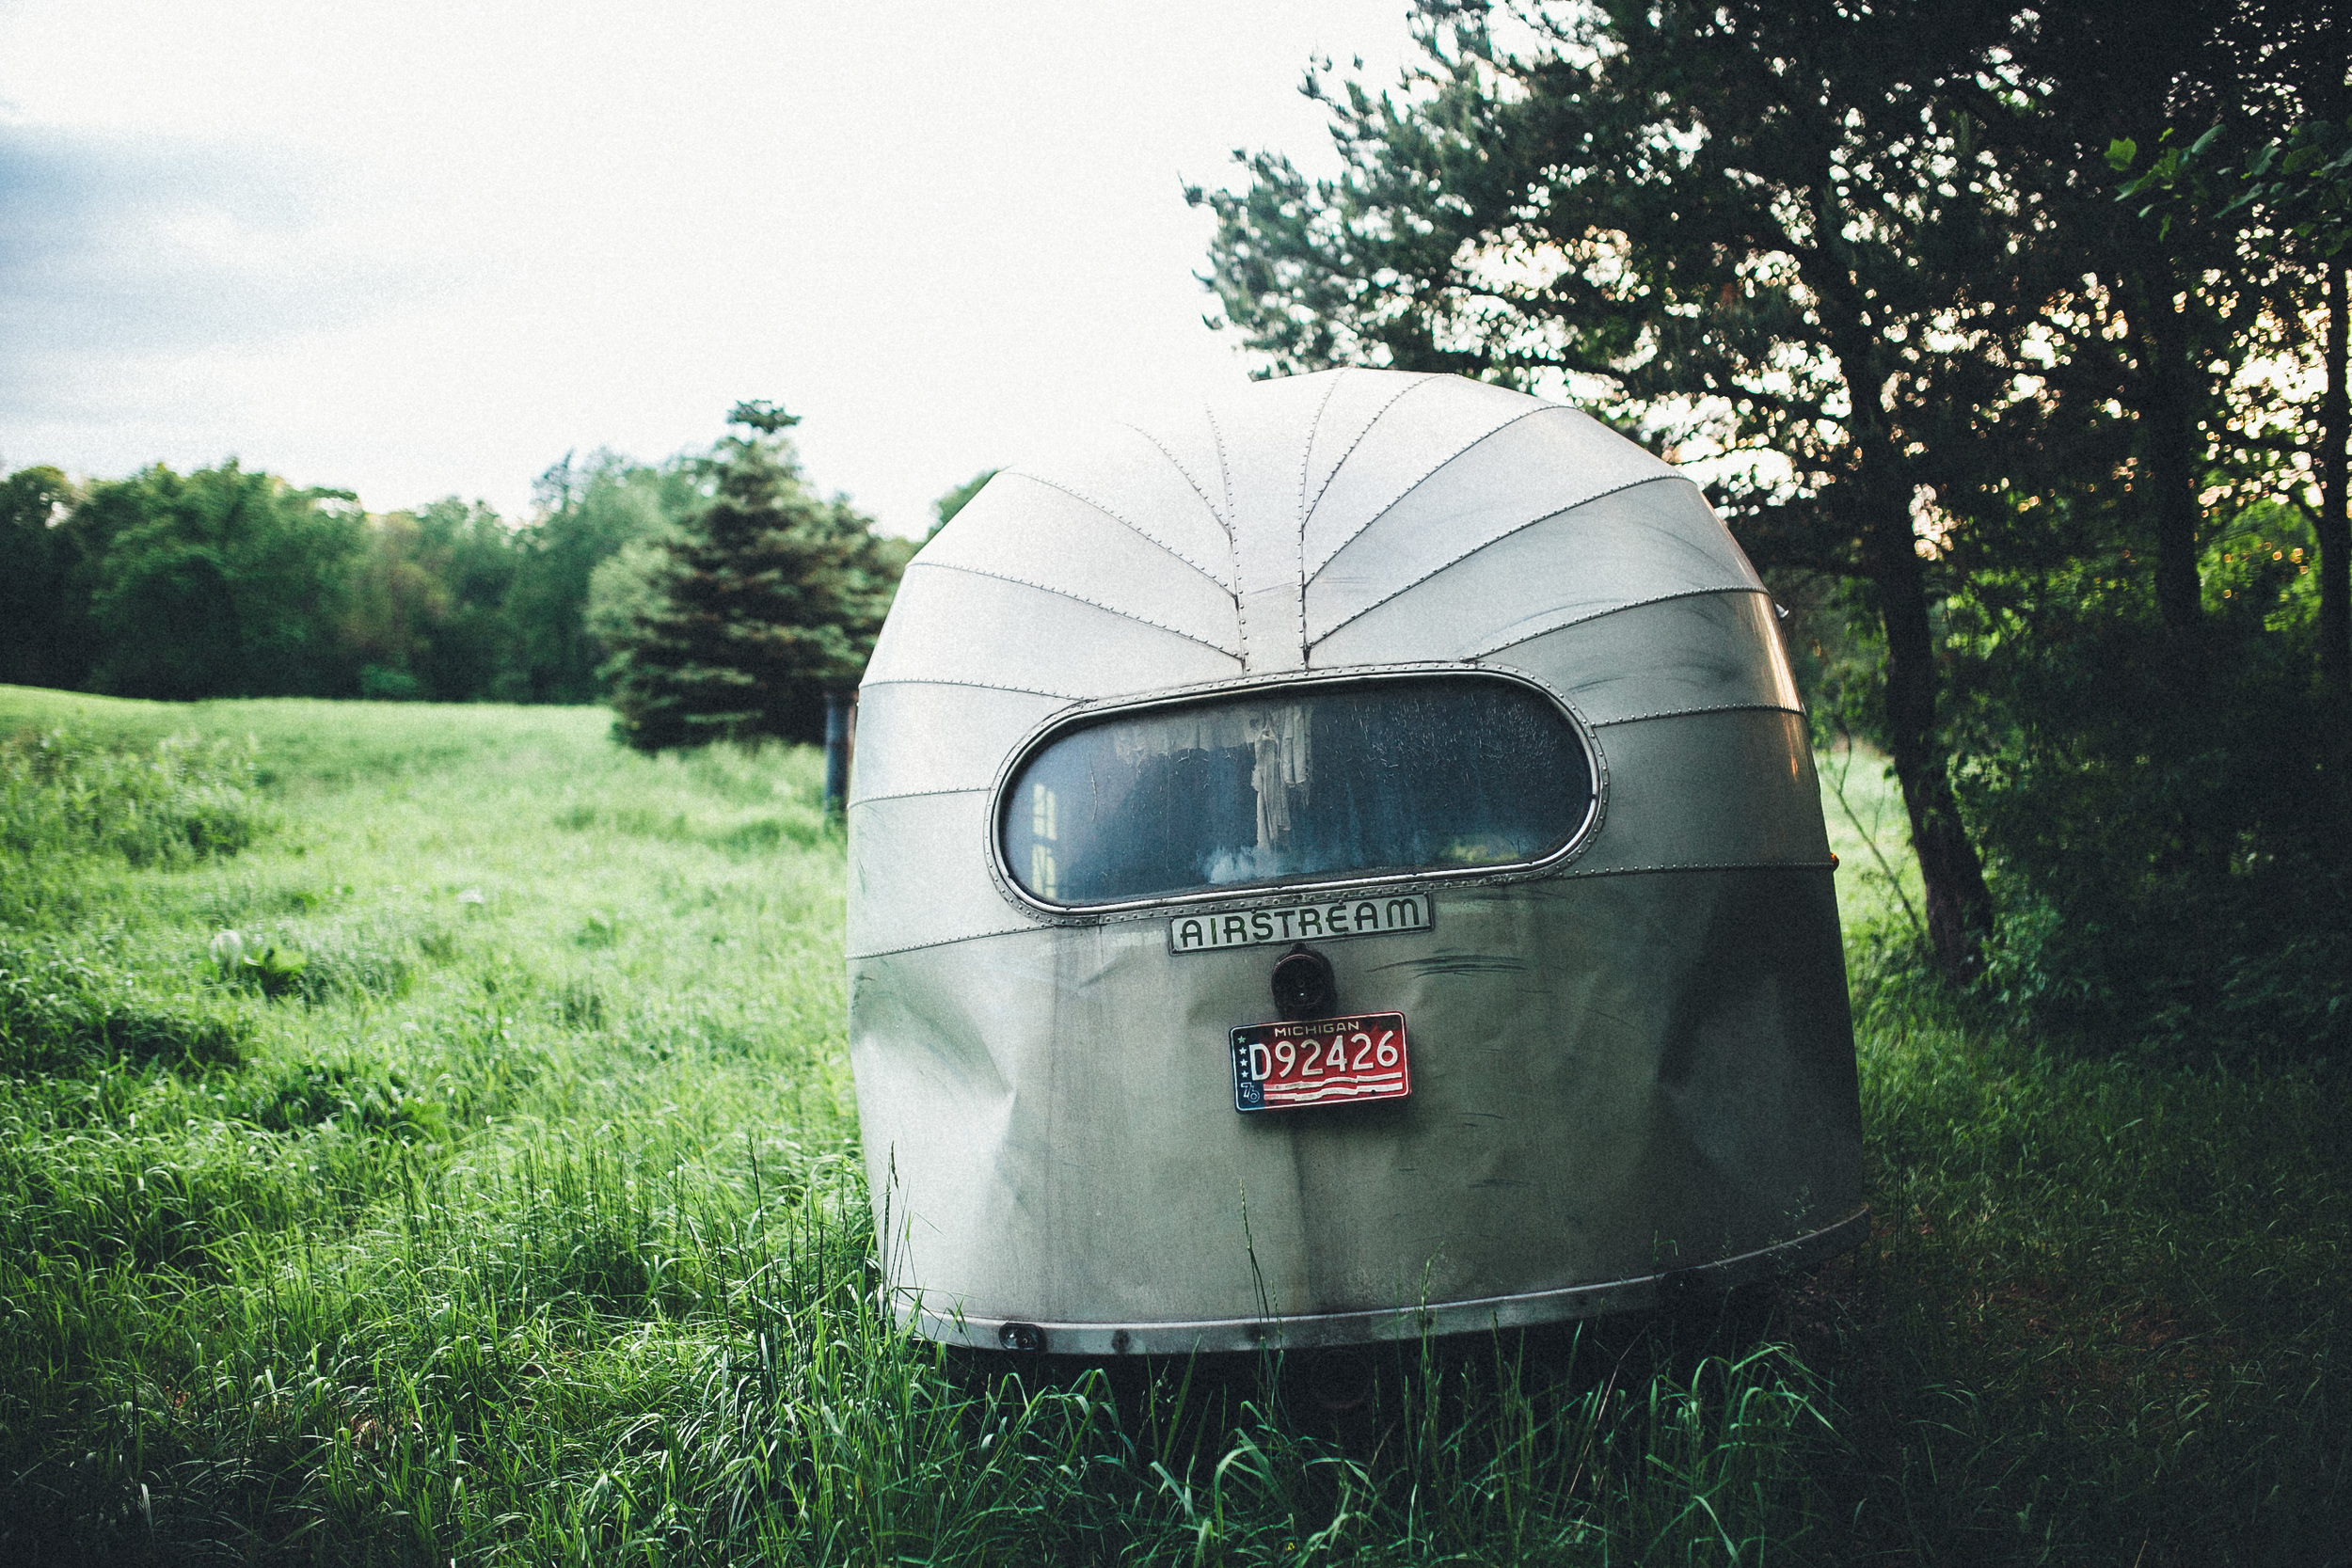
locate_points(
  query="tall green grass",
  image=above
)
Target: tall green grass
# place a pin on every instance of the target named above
(519, 1218)
(179, 800)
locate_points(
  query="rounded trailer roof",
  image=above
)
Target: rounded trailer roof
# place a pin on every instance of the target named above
(1346, 520)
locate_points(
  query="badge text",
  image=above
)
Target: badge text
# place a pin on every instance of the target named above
(1339, 917)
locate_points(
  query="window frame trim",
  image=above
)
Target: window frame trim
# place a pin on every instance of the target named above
(1096, 710)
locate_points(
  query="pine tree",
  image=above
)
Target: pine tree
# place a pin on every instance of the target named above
(771, 599)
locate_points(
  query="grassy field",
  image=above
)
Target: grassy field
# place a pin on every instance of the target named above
(492, 1196)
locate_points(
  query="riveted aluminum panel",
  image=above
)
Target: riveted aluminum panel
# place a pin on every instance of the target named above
(1350, 419)
(1189, 436)
(951, 624)
(1644, 542)
(921, 738)
(1707, 789)
(1128, 476)
(1265, 468)
(1612, 1076)
(1433, 421)
(1029, 533)
(1669, 656)
(918, 874)
(1547, 463)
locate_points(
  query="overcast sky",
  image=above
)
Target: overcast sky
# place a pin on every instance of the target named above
(416, 249)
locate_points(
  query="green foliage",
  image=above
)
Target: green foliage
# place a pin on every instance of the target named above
(262, 964)
(590, 512)
(769, 599)
(946, 506)
(2300, 182)
(426, 612)
(181, 800)
(61, 1015)
(2167, 832)
(43, 623)
(223, 582)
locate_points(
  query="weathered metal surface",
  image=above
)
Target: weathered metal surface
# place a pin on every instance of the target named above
(1633, 1064)
(1626, 547)
(1692, 652)
(1483, 1314)
(1614, 1076)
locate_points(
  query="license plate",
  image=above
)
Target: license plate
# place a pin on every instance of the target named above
(1320, 1061)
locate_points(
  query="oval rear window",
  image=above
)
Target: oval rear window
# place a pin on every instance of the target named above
(1303, 783)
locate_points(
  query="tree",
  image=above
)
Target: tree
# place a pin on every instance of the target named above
(423, 609)
(769, 599)
(44, 621)
(2291, 198)
(589, 511)
(220, 583)
(395, 598)
(1759, 238)
(955, 500)
(473, 556)
(1859, 262)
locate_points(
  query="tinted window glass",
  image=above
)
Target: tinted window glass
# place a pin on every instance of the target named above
(1440, 773)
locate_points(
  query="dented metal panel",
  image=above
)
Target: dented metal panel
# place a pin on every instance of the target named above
(918, 874)
(1631, 1063)
(1691, 1098)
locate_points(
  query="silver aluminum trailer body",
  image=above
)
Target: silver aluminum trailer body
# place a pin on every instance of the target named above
(1632, 1057)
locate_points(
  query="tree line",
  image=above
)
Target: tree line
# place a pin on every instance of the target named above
(626, 583)
(2012, 344)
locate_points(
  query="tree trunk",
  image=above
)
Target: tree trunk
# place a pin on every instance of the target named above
(2168, 447)
(1960, 909)
(2334, 530)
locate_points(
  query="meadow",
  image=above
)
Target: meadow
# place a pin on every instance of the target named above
(426, 1137)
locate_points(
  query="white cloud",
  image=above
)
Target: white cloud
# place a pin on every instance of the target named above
(417, 248)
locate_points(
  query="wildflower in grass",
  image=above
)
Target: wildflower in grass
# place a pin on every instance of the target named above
(257, 961)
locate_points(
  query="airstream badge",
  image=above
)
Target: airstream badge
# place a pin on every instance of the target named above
(1337, 917)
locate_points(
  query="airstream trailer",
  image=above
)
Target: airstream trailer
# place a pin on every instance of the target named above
(1340, 866)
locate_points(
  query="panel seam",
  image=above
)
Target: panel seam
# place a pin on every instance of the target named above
(975, 686)
(916, 795)
(1190, 482)
(1422, 479)
(945, 941)
(1415, 384)
(1077, 598)
(1486, 545)
(1703, 708)
(1621, 609)
(1132, 527)
(1232, 531)
(1298, 511)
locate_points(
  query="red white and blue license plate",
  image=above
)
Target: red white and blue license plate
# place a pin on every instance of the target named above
(1320, 1061)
